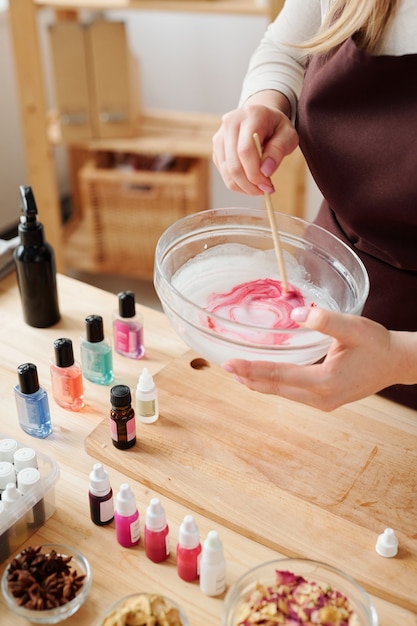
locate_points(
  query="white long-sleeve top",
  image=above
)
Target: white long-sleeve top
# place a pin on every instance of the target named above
(277, 65)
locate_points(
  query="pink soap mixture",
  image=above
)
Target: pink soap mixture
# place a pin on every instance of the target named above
(261, 303)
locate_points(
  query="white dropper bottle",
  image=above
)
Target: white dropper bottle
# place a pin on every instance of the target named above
(146, 398)
(212, 566)
(17, 532)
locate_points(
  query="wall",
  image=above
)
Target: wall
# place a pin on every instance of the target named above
(197, 63)
(194, 62)
(190, 62)
(12, 161)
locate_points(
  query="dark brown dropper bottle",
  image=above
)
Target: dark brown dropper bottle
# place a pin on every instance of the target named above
(35, 267)
(122, 417)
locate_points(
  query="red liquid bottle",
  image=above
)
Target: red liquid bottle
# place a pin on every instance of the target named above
(156, 532)
(188, 550)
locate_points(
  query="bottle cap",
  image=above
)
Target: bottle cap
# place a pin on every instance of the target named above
(28, 378)
(25, 457)
(64, 353)
(387, 543)
(127, 304)
(10, 494)
(27, 478)
(7, 474)
(120, 396)
(145, 382)
(99, 480)
(155, 516)
(212, 550)
(94, 328)
(188, 536)
(125, 501)
(7, 449)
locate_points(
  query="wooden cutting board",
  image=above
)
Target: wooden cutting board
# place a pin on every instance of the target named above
(301, 481)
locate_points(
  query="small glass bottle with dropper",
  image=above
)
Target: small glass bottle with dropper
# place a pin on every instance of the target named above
(122, 418)
(156, 532)
(188, 550)
(18, 532)
(100, 496)
(66, 377)
(146, 398)
(127, 517)
(212, 566)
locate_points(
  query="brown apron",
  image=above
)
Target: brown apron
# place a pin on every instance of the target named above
(357, 121)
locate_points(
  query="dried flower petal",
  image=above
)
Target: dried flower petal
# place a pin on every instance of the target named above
(293, 601)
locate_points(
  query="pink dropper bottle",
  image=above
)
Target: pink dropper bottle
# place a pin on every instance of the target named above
(156, 532)
(126, 517)
(188, 550)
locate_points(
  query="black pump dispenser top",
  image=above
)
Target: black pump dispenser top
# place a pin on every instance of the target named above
(30, 230)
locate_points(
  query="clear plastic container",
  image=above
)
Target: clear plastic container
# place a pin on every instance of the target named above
(18, 515)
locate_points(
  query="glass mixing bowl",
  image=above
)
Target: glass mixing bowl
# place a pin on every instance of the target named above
(211, 252)
(237, 600)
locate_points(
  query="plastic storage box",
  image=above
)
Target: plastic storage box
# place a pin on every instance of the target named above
(22, 518)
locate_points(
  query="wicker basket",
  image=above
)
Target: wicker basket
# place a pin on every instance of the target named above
(126, 212)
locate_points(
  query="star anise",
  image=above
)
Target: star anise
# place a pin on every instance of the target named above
(42, 581)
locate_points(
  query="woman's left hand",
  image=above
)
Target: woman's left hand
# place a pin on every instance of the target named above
(363, 358)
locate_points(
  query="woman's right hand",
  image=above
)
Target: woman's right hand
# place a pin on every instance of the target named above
(234, 151)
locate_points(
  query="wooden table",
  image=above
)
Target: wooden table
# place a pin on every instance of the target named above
(116, 571)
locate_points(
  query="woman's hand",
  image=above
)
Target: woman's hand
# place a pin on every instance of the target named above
(234, 150)
(363, 358)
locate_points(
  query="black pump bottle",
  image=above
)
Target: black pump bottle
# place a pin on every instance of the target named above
(35, 267)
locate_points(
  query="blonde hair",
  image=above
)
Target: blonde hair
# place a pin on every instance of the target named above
(366, 19)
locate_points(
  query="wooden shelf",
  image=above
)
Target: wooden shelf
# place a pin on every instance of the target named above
(243, 7)
(159, 131)
(38, 140)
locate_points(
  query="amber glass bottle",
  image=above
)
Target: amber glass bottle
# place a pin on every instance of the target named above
(122, 418)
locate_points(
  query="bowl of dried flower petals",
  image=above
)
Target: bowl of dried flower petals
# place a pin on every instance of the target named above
(46, 584)
(296, 592)
(144, 609)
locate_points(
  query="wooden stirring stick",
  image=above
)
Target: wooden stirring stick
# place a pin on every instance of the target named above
(273, 225)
